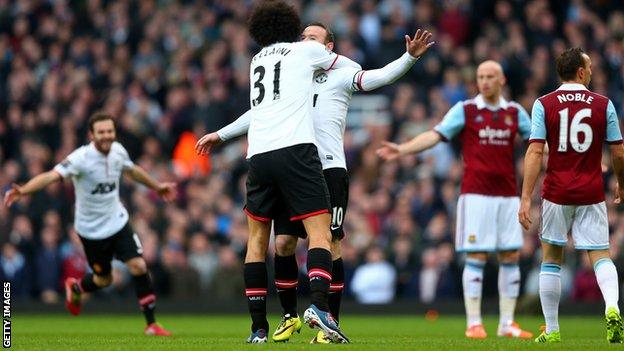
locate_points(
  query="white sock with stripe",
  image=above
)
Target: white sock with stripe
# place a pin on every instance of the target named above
(472, 279)
(508, 291)
(550, 294)
(607, 278)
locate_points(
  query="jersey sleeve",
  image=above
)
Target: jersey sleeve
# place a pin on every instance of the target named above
(70, 166)
(377, 78)
(524, 123)
(453, 122)
(237, 128)
(538, 123)
(319, 57)
(614, 135)
(126, 162)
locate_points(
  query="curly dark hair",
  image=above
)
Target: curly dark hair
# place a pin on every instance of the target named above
(274, 21)
(569, 62)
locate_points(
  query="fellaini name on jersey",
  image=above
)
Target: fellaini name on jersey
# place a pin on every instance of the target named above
(272, 51)
(494, 136)
(567, 97)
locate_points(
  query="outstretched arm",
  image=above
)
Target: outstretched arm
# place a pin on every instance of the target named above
(376, 78)
(391, 151)
(35, 184)
(167, 191)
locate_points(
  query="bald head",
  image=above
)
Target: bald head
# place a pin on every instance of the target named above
(490, 80)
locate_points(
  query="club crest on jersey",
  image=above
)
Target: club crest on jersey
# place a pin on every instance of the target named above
(509, 120)
(321, 78)
(472, 238)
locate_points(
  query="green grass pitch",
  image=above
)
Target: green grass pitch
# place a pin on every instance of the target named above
(210, 332)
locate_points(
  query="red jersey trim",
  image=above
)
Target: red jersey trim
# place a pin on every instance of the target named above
(359, 81)
(541, 141)
(614, 142)
(257, 218)
(311, 214)
(333, 63)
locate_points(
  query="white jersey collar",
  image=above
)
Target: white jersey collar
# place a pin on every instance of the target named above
(481, 103)
(572, 86)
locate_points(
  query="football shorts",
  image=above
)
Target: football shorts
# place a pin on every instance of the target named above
(337, 180)
(487, 223)
(587, 224)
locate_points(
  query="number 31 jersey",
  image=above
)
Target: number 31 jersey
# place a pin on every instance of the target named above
(280, 92)
(575, 123)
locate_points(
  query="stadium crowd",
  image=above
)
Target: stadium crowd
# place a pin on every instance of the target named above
(172, 70)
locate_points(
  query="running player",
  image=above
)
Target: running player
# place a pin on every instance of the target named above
(575, 123)
(284, 165)
(332, 95)
(487, 127)
(101, 221)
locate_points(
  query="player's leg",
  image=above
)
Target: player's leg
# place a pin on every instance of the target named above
(99, 255)
(591, 232)
(128, 249)
(262, 197)
(256, 278)
(550, 290)
(301, 182)
(337, 180)
(607, 277)
(556, 222)
(338, 276)
(287, 234)
(472, 280)
(508, 242)
(475, 236)
(286, 272)
(508, 292)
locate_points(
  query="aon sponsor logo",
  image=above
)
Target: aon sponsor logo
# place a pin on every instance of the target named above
(103, 188)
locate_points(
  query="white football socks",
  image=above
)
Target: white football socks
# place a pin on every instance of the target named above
(472, 279)
(550, 294)
(508, 291)
(607, 278)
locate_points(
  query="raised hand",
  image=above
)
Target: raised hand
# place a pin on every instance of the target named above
(420, 44)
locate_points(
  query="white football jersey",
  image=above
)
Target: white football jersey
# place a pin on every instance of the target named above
(281, 89)
(99, 212)
(332, 95)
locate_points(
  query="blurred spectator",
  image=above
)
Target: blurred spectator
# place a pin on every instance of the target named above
(203, 259)
(15, 270)
(374, 281)
(228, 282)
(48, 265)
